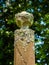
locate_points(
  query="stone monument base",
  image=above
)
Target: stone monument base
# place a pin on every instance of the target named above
(24, 47)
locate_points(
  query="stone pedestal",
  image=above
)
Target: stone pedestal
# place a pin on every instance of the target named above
(24, 53)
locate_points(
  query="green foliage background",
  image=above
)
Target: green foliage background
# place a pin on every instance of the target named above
(40, 10)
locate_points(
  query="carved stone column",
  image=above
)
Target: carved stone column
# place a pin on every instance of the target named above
(24, 53)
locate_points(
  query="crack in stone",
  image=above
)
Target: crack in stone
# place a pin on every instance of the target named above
(21, 55)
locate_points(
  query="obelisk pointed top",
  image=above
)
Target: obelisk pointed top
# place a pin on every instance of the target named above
(24, 19)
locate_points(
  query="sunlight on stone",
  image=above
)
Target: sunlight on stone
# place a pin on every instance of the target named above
(24, 19)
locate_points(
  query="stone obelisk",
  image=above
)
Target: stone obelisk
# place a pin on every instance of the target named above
(24, 51)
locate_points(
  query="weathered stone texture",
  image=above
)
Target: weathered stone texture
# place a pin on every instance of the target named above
(24, 47)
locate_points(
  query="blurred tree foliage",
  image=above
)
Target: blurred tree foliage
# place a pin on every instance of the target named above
(40, 10)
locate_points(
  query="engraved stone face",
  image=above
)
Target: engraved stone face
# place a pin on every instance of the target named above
(24, 19)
